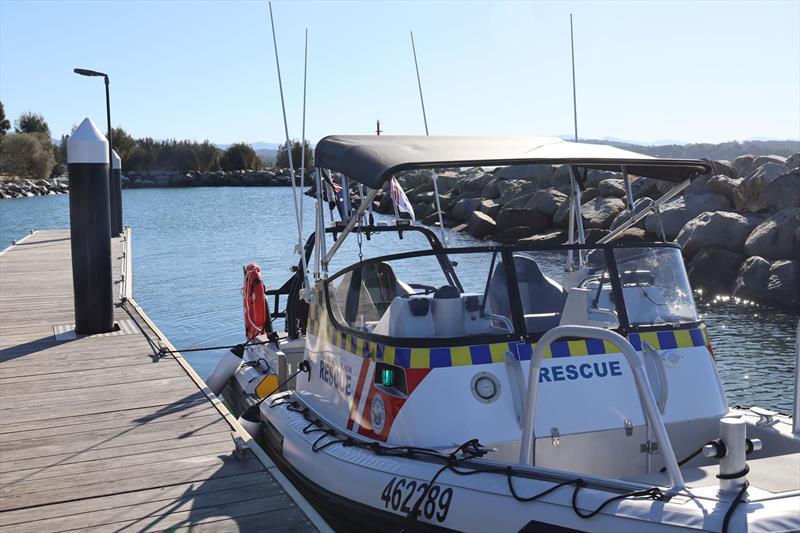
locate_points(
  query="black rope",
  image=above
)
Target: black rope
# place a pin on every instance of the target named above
(470, 449)
(737, 475)
(736, 501)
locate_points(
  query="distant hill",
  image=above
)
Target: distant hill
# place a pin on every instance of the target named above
(267, 155)
(721, 151)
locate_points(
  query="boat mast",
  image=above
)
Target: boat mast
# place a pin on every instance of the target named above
(299, 246)
(576, 219)
(425, 120)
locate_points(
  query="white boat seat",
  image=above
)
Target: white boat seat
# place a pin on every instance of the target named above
(542, 298)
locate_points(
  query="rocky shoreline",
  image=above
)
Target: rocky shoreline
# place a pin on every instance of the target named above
(275, 177)
(739, 225)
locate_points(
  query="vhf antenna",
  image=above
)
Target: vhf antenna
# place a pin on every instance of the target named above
(425, 120)
(299, 246)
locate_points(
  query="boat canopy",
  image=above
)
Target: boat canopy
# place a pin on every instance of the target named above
(371, 159)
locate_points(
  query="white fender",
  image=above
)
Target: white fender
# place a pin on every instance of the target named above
(251, 422)
(226, 366)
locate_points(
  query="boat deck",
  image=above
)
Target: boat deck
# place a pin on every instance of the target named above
(97, 435)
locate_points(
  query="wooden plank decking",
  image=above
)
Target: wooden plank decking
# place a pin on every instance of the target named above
(96, 436)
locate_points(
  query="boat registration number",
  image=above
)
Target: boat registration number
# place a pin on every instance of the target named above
(403, 495)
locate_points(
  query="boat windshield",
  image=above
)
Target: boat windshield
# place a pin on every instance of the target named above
(510, 291)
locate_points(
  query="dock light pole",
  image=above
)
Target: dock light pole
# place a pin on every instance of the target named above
(90, 229)
(112, 200)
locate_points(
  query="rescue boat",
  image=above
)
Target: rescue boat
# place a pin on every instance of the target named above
(503, 388)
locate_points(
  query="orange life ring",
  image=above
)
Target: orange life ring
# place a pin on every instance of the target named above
(256, 311)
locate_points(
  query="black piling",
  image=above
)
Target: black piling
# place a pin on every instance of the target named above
(116, 194)
(90, 229)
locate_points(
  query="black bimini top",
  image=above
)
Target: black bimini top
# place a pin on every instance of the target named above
(371, 159)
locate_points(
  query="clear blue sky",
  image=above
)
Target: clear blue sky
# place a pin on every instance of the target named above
(691, 71)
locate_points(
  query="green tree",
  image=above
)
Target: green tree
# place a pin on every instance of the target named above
(282, 159)
(207, 156)
(122, 142)
(240, 156)
(5, 125)
(32, 123)
(26, 155)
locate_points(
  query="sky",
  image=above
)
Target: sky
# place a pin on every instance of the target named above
(646, 71)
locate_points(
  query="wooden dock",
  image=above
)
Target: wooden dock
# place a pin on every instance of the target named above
(96, 435)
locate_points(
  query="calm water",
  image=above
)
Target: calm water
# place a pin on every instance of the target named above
(189, 246)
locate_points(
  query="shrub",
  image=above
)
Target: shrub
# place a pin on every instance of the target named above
(282, 159)
(27, 155)
(240, 156)
(32, 123)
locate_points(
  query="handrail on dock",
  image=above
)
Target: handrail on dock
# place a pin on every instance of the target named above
(646, 397)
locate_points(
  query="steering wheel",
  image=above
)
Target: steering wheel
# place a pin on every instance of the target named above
(426, 289)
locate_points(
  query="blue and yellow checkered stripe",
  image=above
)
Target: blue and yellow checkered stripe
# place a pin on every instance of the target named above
(481, 354)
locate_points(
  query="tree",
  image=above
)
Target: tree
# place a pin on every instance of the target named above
(282, 159)
(26, 155)
(5, 125)
(122, 142)
(240, 156)
(32, 123)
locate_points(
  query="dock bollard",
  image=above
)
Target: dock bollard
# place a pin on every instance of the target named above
(90, 229)
(116, 194)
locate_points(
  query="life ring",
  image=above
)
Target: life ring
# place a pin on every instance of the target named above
(256, 311)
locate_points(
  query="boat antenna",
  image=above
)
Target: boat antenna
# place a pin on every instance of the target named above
(427, 133)
(299, 246)
(303, 142)
(574, 94)
(419, 84)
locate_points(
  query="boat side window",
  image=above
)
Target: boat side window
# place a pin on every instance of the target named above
(655, 286)
(414, 297)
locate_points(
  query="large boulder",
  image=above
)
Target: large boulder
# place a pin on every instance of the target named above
(644, 187)
(764, 159)
(725, 185)
(508, 190)
(525, 172)
(601, 212)
(783, 287)
(792, 162)
(743, 165)
(721, 167)
(546, 201)
(783, 191)
(594, 177)
(464, 207)
(778, 237)
(512, 235)
(714, 270)
(750, 194)
(719, 229)
(491, 191)
(474, 183)
(490, 207)
(751, 281)
(512, 217)
(698, 186)
(675, 214)
(612, 187)
(639, 205)
(480, 225)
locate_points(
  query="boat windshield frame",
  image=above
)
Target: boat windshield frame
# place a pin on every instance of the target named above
(505, 253)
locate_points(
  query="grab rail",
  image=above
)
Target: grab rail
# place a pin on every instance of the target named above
(646, 397)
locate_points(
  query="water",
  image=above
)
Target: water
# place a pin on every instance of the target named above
(189, 246)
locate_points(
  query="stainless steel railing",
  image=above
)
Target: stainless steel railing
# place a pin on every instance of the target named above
(646, 397)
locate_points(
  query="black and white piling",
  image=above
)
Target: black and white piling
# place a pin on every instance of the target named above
(116, 194)
(90, 229)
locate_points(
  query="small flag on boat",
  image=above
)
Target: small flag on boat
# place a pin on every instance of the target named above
(399, 197)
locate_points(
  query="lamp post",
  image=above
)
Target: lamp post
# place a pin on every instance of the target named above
(94, 73)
